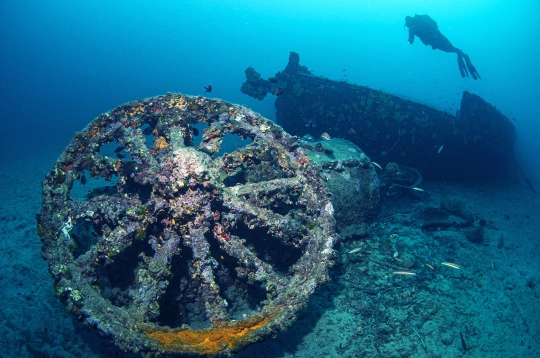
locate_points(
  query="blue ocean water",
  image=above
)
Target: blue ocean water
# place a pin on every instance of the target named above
(63, 63)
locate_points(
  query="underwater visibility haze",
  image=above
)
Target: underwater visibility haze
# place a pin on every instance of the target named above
(379, 198)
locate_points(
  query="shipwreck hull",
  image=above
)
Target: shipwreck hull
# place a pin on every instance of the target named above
(475, 144)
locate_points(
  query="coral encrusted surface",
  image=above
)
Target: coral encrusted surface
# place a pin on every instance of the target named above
(178, 248)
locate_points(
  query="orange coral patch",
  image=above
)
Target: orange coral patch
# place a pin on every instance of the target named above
(161, 142)
(207, 341)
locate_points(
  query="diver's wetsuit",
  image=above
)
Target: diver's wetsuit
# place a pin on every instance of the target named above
(428, 32)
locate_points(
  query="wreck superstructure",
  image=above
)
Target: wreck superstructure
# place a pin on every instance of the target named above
(475, 144)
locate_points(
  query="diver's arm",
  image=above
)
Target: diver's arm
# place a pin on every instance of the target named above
(411, 36)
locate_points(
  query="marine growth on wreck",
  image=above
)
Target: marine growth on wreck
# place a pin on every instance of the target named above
(179, 248)
(478, 140)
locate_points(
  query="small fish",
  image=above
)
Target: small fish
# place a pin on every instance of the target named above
(194, 130)
(351, 131)
(377, 165)
(272, 80)
(120, 156)
(404, 272)
(311, 124)
(440, 149)
(279, 92)
(325, 136)
(83, 179)
(355, 250)
(208, 89)
(119, 149)
(430, 266)
(418, 189)
(148, 131)
(451, 264)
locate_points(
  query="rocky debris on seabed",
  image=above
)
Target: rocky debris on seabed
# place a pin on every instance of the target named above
(185, 252)
(405, 289)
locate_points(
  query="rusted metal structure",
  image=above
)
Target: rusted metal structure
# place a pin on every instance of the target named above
(475, 144)
(350, 177)
(189, 252)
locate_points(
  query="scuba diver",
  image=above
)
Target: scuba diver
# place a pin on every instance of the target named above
(428, 32)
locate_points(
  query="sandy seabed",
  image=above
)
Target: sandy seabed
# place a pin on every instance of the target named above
(492, 301)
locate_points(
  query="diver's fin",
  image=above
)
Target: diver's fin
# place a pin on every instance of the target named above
(471, 68)
(462, 67)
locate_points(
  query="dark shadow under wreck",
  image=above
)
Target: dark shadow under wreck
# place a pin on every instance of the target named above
(475, 144)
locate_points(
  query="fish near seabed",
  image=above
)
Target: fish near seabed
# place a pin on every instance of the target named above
(325, 136)
(311, 124)
(440, 149)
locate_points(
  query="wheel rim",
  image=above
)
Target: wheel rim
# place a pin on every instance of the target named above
(190, 251)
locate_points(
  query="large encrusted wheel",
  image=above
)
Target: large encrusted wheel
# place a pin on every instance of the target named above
(190, 251)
